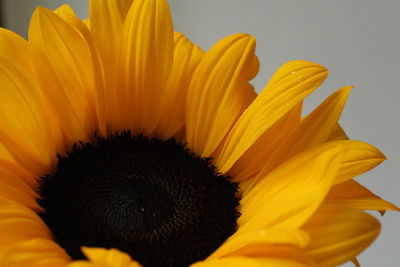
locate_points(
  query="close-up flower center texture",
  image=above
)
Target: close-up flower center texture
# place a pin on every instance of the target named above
(124, 144)
(139, 195)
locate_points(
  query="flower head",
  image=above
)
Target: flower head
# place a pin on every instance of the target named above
(122, 143)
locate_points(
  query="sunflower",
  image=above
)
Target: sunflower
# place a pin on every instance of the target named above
(122, 144)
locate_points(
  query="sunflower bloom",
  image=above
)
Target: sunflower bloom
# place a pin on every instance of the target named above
(123, 144)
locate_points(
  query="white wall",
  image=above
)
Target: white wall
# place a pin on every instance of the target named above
(357, 40)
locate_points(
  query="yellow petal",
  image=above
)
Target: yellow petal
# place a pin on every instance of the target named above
(5, 154)
(16, 187)
(289, 195)
(312, 131)
(26, 131)
(316, 127)
(21, 194)
(287, 88)
(214, 99)
(353, 194)
(285, 253)
(248, 262)
(253, 160)
(186, 59)
(11, 167)
(360, 157)
(356, 262)
(106, 19)
(18, 223)
(269, 236)
(144, 63)
(337, 134)
(36, 252)
(102, 105)
(102, 257)
(64, 11)
(65, 72)
(14, 47)
(339, 233)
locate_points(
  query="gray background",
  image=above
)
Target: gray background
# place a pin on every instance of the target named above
(357, 40)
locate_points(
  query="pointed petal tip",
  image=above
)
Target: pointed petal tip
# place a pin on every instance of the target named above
(347, 88)
(393, 207)
(367, 150)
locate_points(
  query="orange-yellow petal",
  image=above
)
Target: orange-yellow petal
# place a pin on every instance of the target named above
(360, 157)
(312, 131)
(187, 57)
(19, 223)
(14, 47)
(65, 72)
(106, 19)
(105, 23)
(99, 92)
(276, 236)
(249, 262)
(24, 126)
(279, 252)
(14, 188)
(144, 63)
(287, 88)
(339, 233)
(253, 160)
(351, 193)
(101, 257)
(291, 193)
(65, 11)
(214, 100)
(37, 252)
(337, 134)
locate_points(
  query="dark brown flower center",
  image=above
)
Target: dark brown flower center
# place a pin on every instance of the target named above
(151, 198)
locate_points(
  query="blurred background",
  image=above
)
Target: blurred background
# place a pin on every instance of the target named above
(358, 41)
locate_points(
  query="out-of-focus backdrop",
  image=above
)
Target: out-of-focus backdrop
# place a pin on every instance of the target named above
(357, 40)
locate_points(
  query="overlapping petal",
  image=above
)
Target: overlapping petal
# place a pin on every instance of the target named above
(256, 156)
(19, 223)
(37, 252)
(187, 57)
(360, 157)
(106, 19)
(102, 103)
(14, 187)
(287, 88)
(312, 131)
(100, 257)
(276, 236)
(281, 253)
(14, 48)
(352, 193)
(66, 75)
(291, 193)
(249, 262)
(215, 99)
(25, 129)
(336, 239)
(144, 62)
